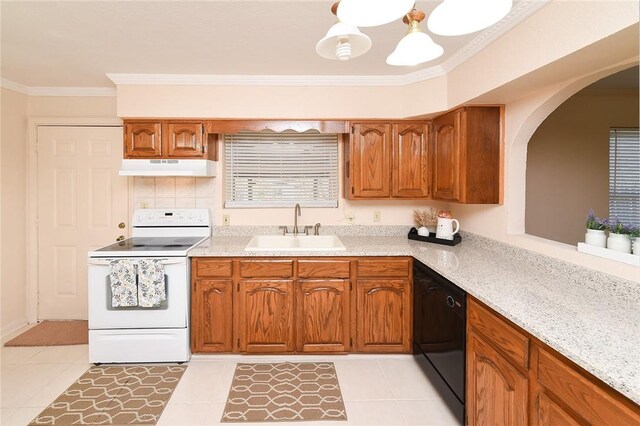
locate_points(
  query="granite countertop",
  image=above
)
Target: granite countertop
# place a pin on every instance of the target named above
(590, 317)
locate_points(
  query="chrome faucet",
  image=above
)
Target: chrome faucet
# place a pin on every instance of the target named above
(296, 213)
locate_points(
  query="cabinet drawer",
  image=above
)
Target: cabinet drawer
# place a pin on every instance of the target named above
(213, 268)
(586, 398)
(266, 268)
(323, 268)
(514, 344)
(383, 268)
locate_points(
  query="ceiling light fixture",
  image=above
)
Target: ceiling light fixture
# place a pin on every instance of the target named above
(371, 13)
(458, 17)
(416, 47)
(343, 41)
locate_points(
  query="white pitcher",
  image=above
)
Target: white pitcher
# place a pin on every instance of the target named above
(445, 229)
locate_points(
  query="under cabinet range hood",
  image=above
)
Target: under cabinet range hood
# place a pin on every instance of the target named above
(168, 167)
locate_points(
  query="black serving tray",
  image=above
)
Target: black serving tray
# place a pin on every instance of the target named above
(413, 235)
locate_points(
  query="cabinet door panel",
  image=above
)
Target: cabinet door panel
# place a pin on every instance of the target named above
(551, 414)
(185, 140)
(383, 315)
(266, 316)
(142, 140)
(371, 160)
(323, 316)
(211, 318)
(409, 172)
(497, 393)
(446, 156)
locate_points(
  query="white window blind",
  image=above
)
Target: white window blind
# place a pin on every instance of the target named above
(624, 176)
(269, 169)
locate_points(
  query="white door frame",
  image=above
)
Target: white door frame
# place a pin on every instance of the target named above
(32, 197)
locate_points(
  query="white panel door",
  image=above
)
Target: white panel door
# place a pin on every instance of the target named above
(81, 202)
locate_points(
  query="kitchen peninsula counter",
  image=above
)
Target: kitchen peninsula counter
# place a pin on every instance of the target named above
(590, 317)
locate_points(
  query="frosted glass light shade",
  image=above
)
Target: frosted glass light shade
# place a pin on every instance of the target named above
(334, 44)
(371, 13)
(458, 17)
(415, 48)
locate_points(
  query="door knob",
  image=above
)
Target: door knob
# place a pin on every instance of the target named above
(121, 225)
(120, 238)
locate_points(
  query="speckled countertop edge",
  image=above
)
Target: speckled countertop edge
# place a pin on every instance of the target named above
(590, 317)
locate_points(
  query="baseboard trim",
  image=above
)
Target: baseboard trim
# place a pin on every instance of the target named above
(12, 327)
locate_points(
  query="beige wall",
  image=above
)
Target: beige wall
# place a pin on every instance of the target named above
(72, 106)
(568, 163)
(14, 205)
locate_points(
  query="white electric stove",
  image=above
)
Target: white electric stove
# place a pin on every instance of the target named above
(140, 334)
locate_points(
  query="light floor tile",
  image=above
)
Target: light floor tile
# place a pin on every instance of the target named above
(204, 382)
(180, 414)
(24, 381)
(71, 354)
(19, 354)
(407, 380)
(21, 416)
(432, 412)
(362, 380)
(47, 394)
(373, 413)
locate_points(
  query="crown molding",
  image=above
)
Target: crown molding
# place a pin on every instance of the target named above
(275, 80)
(58, 91)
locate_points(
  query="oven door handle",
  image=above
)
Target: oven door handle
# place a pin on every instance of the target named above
(100, 262)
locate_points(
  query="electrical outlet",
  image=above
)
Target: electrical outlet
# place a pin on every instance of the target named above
(350, 216)
(144, 205)
(376, 215)
(225, 220)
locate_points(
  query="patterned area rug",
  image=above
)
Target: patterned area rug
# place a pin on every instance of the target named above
(114, 395)
(284, 392)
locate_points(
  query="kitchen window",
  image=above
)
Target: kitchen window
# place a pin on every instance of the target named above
(269, 169)
(624, 175)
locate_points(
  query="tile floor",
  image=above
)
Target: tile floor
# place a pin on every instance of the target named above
(378, 390)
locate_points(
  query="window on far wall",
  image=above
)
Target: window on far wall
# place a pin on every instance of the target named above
(269, 169)
(624, 175)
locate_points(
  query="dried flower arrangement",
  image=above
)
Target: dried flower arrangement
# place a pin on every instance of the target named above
(427, 217)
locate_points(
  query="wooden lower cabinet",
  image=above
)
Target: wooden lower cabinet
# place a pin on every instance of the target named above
(515, 379)
(305, 305)
(212, 326)
(265, 316)
(383, 315)
(497, 392)
(323, 308)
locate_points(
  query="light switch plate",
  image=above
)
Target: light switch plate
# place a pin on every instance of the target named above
(376, 215)
(226, 221)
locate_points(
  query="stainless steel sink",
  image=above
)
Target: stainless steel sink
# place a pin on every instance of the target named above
(295, 243)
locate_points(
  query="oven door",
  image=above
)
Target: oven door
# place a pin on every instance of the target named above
(172, 313)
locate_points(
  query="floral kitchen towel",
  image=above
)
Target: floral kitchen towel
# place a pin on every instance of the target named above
(122, 275)
(151, 288)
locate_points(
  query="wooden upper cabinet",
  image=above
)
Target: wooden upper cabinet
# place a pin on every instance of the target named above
(143, 140)
(383, 309)
(185, 139)
(265, 316)
(371, 160)
(497, 392)
(323, 315)
(410, 169)
(446, 157)
(466, 151)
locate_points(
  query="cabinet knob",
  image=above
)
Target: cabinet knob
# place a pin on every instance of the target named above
(121, 225)
(120, 238)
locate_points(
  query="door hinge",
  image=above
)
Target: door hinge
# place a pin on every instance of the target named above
(238, 286)
(352, 129)
(238, 343)
(203, 147)
(351, 342)
(35, 147)
(350, 286)
(37, 223)
(352, 190)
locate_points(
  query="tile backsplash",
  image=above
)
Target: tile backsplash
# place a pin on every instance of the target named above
(173, 192)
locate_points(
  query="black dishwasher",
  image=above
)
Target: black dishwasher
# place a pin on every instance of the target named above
(439, 333)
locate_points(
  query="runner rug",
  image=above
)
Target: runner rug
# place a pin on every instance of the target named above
(114, 395)
(284, 392)
(54, 333)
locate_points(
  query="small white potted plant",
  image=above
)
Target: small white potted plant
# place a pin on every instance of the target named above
(634, 234)
(619, 237)
(596, 227)
(427, 220)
